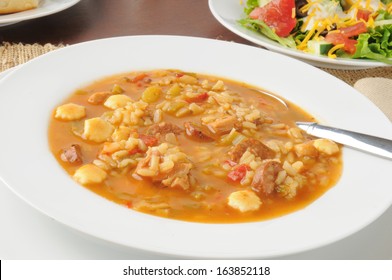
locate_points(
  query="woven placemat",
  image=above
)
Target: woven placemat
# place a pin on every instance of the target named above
(352, 76)
(14, 54)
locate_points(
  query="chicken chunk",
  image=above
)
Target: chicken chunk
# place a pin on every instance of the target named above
(70, 112)
(223, 125)
(244, 201)
(72, 154)
(97, 130)
(89, 174)
(179, 176)
(254, 146)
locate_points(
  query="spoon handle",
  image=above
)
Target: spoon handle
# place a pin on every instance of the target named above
(371, 144)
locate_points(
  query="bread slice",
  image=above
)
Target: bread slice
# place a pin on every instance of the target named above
(13, 6)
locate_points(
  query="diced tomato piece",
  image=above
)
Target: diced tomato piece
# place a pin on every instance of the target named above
(337, 38)
(238, 173)
(198, 98)
(363, 14)
(354, 30)
(149, 140)
(277, 14)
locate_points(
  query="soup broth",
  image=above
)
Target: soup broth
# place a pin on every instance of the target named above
(191, 147)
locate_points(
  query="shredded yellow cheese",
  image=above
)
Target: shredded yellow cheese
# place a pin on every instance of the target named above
(349, 22)
(319, 30)
(389, 8)
(334, 31)
(333, 49)
(370, 22)
(367, 5)
(308, 36)
(354, 6)
(306, 7)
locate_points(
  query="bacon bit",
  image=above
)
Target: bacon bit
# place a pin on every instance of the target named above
(149, 140)
(238, 173)
(129, 204)
(198, 98)
(230, 162)
(179, 75)
(135, 151)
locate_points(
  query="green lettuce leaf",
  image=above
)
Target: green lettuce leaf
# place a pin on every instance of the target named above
(375, 44)
(262, 27)
(250, 5)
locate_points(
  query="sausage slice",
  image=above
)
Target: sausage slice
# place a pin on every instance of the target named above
(265, 177)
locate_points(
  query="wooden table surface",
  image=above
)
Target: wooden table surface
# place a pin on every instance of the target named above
(95, 19)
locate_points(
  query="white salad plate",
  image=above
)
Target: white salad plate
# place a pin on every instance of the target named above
(229, 12)
(31, 92)
(45, 8)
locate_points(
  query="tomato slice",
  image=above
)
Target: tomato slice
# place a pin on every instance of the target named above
(277, 14)
(344, 34)
(354, 30)
(363, 14)
(337, 38)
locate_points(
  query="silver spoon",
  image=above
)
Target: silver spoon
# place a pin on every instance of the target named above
(367, 143)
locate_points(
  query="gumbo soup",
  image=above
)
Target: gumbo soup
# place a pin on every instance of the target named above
(191, 147)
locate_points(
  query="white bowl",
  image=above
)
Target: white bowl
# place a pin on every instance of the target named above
(31, 92)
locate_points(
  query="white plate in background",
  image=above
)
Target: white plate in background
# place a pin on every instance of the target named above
(228, 12)
(29, 169)
(45, 8)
